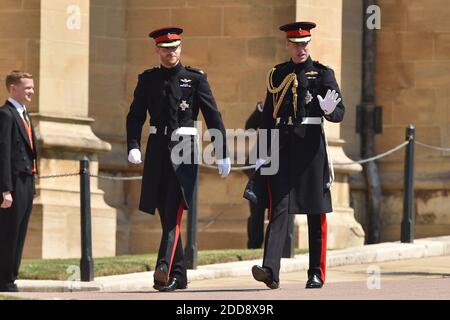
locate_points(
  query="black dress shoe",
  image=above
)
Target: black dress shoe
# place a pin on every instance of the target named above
(9, 287)
(264, 275)
(158, 285)
(161, 275)
(314, 282)
(174, 284)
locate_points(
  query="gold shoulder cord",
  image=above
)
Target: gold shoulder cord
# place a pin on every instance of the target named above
(284, 86)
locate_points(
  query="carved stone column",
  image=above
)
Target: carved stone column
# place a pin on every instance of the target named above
(343, 229)
(64, 132)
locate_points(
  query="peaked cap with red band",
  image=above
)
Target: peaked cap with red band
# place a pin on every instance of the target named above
(298, 31)
(167, 37)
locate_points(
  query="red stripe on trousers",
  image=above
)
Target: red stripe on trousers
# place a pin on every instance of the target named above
(323, 256)
(269, 207)
(177, 232)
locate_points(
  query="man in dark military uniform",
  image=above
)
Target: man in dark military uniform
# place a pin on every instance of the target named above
(172, 95)
(301, 93)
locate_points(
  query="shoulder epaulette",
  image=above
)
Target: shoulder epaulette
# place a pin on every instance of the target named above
(148, 72)
(189, 68)
(151, 70)
(281, 65)
(317, 64)
(276, 69)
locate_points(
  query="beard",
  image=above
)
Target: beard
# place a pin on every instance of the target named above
(171, 60)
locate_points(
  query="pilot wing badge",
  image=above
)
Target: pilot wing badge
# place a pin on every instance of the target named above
(185, 83)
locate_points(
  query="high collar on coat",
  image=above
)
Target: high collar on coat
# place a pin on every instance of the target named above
(173, 70)
(298, 67)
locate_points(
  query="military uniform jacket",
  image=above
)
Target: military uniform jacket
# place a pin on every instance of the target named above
(304, 172)
(17, 155)
(172, 98)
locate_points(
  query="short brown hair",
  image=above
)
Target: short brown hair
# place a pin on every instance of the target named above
(15, 76)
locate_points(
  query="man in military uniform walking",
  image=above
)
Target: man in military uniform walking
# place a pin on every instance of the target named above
(172, 95)
(301, 93)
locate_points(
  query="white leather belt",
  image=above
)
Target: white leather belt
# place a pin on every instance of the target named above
(182, 131)
(306, 120)
(312, 120)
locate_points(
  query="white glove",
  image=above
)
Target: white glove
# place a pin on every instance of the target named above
(329, 103)
(224, 166)
(7, 200)
(259, 163)
(135, 156)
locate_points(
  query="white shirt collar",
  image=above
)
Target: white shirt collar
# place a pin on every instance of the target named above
(17, 105)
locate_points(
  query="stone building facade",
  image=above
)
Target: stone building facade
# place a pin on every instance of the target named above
(86, 56)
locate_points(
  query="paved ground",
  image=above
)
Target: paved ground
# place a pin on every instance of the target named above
(424, 278)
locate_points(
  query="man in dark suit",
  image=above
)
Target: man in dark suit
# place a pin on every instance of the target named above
(172, 95)
(17, 168)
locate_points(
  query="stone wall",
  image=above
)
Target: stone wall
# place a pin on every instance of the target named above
(351, 72)
(19, 50)
(351, 86)
(412, 86)
(108, 104)
(235, 42)
(327, 46)
(50, 39)
(19, 41)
